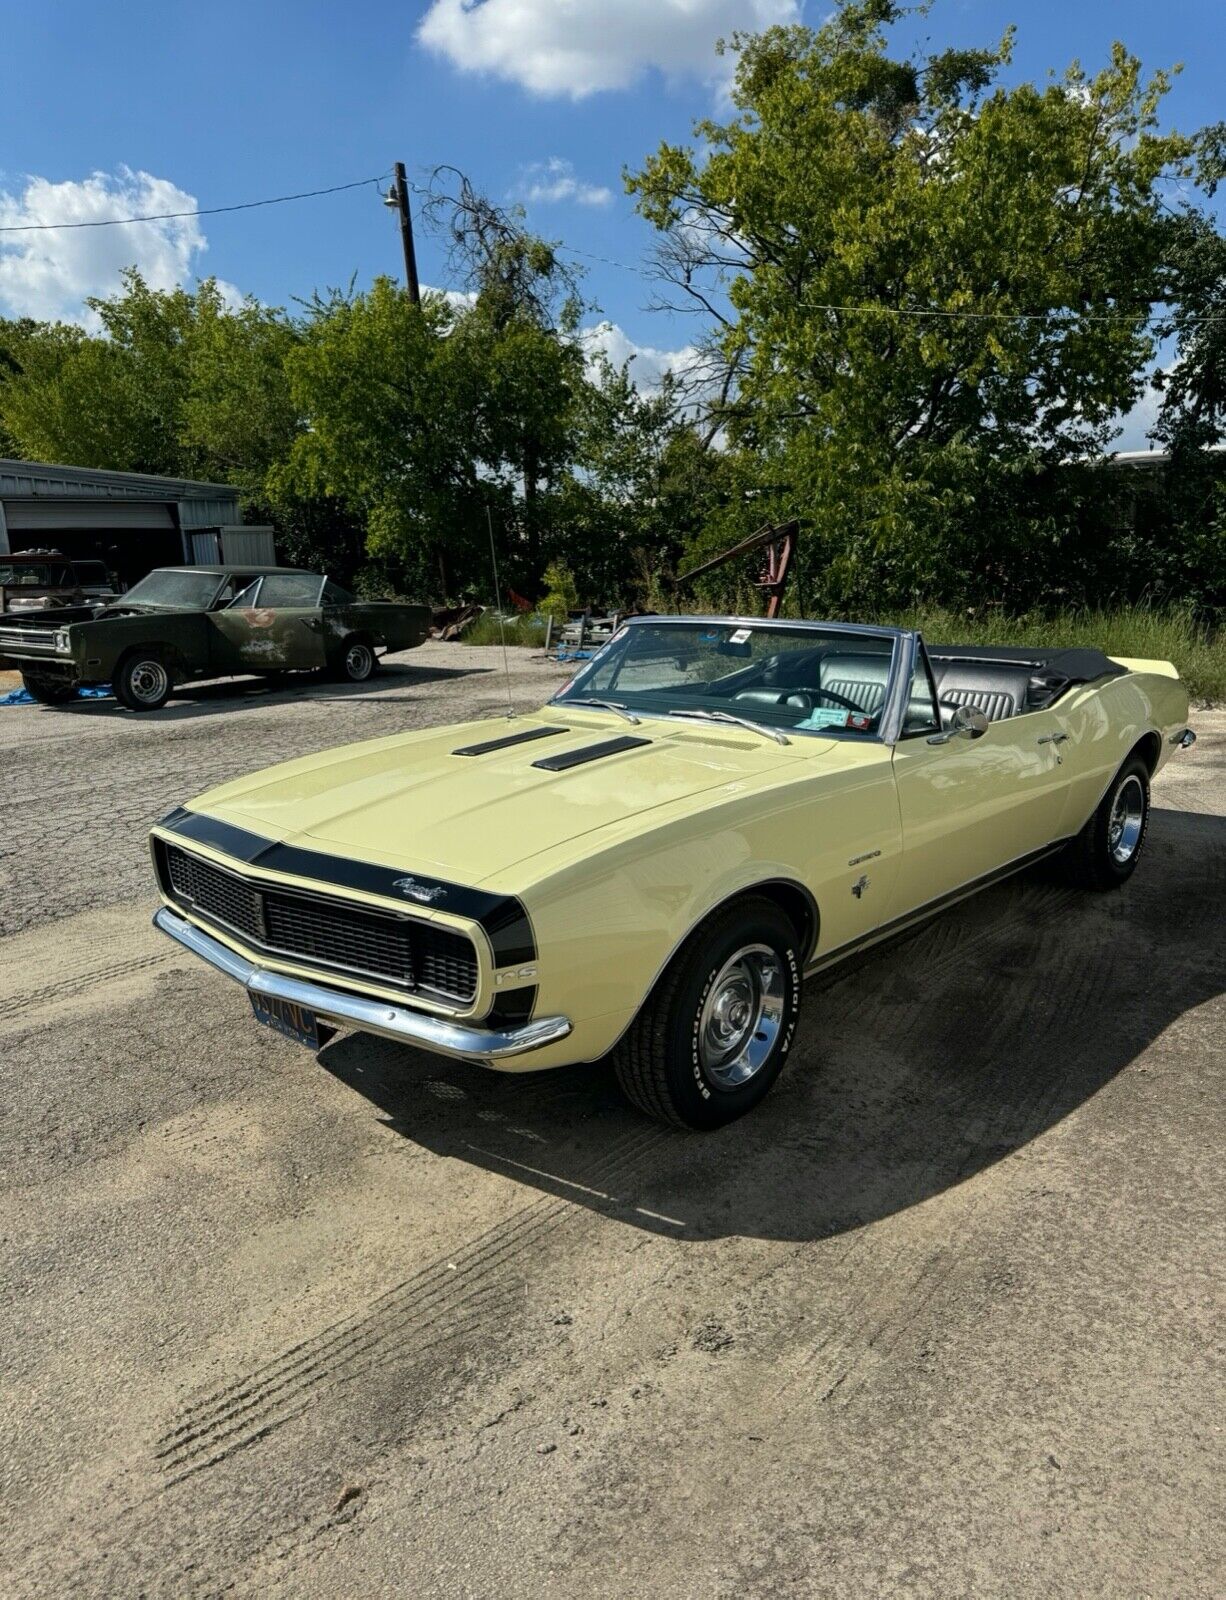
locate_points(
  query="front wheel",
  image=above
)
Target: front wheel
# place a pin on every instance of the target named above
(1106, 851)
(48, 691)
(143, 682)
(715, 1032)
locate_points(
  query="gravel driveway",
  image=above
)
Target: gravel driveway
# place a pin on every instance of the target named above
(941, 1319)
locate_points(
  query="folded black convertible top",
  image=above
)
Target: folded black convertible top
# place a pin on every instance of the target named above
(1069, 666)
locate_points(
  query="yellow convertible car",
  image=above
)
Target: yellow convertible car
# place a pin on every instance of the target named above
(649, 865)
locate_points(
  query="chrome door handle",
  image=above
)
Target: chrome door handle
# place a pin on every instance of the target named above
(1052, 738)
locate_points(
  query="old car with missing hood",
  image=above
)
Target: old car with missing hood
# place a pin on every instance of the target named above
(184, 624)
(650, 865)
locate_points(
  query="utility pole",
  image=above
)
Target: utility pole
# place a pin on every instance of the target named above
(399, 199)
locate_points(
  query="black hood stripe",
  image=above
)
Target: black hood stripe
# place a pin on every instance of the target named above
(503, 917)
(507, 740)
(589, 752)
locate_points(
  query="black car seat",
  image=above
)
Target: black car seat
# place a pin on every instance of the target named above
(996, 689)
(858, 678)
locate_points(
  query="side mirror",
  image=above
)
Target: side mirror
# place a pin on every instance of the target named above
(967, 722)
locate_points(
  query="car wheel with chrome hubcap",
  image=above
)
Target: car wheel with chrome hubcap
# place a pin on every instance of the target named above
(715, 1031)
(1105, 853)
(143, 682)
(356, 661)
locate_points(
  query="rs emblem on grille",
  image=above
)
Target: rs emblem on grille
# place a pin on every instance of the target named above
(424, 893)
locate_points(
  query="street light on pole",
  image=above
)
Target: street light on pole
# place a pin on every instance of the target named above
(397, 198)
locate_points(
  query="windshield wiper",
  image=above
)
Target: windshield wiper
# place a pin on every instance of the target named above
(741, 722)
(606, 705)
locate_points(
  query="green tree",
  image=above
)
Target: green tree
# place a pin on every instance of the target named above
(926, 288)
(389, 399)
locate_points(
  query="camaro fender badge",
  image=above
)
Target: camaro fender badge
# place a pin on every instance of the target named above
(860, 885)
(424, 893)
(519, 975)
(869, 855)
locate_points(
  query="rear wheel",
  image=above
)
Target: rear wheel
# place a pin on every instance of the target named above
(356, 661)
(48, 691)
(715, 1031)
(143, 681)
(1106, 851)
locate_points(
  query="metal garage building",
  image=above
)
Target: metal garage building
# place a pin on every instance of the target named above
(132, 521)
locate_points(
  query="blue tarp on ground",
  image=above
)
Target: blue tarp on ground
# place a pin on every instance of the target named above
(23, 697)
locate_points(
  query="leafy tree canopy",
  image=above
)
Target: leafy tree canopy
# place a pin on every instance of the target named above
(916, 276)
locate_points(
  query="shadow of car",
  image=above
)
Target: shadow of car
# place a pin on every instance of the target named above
(920, 1066)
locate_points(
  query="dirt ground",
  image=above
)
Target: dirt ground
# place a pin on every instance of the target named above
(941, 1319)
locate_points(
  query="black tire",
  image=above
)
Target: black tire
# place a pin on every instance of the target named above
(661, 1063)
(355, 661)
(143, 681)
(48, 691)
(1105, 853)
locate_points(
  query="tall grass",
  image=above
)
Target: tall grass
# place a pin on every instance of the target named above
(1148, 632)
(529, 631)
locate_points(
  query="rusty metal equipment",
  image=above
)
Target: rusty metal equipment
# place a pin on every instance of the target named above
(778, 540)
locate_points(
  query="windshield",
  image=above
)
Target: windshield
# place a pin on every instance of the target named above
(798, 679)
(33, 574)
(174, 586)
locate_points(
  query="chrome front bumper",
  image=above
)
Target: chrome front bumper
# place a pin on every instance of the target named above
(370, 1016)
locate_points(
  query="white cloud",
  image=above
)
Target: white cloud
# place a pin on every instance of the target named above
(550, 182)
(647, 363)
(577, 47)
(49, 274)
(1137, 424)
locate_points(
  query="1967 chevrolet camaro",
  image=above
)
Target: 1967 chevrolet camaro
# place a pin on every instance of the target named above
(650, 864)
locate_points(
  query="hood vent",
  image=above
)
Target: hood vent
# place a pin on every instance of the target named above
(589, 752)
(502, 743)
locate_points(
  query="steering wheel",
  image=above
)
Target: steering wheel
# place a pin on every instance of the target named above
(850, 705)
(787, 699)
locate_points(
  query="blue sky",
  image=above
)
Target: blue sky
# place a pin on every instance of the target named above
(232, 102)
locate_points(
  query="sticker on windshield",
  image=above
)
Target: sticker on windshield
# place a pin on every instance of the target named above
(740, 636)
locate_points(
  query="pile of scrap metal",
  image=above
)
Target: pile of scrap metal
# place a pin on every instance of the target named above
(449, 622)
(581, 635)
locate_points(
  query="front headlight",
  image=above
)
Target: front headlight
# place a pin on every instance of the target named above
(63, 645)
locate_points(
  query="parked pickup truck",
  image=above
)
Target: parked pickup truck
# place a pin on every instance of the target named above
(181, 624)
(46, 580)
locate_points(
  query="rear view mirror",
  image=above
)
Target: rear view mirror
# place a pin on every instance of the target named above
(967, 722)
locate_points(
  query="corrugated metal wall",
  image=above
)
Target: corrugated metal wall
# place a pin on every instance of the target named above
(248, 547)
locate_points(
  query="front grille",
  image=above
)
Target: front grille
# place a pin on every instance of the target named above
(326, 933)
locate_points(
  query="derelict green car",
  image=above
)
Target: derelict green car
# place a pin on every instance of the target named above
(185, 623)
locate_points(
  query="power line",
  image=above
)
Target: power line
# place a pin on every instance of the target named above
(203, 211)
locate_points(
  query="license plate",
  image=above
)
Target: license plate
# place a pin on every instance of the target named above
(295, 1022)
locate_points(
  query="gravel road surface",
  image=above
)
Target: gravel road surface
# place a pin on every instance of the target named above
(942, 1318)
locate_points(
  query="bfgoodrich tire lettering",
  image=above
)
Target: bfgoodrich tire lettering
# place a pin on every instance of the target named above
(1105, 853)
(715, 1032)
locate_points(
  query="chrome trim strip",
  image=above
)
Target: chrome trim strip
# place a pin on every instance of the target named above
(369, 1016)
(933, 908)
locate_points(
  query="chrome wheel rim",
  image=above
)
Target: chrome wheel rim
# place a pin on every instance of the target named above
(1127, 820)
(358, 661)
(741, 1017)
(149, 681)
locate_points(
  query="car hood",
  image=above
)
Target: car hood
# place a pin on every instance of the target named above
(411, 802)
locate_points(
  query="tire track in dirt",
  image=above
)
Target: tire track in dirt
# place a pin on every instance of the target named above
(229, 1418)
(993, 1094)
(445, 1306)
(28, 1003)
